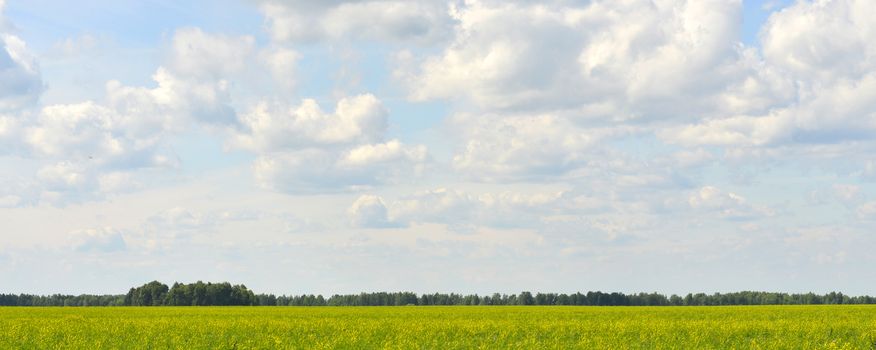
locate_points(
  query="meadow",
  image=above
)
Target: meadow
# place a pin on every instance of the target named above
(437, 327)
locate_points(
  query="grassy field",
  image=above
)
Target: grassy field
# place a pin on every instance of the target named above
(497, 327)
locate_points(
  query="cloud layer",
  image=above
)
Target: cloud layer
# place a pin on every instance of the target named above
(610, 141)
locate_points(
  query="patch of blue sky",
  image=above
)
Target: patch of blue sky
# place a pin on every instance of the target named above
(137, 23)
(201, 153)
(128, 38)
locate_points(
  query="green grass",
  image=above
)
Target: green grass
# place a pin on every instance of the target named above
(496, 327)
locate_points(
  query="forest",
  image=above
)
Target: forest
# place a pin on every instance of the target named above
(225, 294)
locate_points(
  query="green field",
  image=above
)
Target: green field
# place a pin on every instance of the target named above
(466, 327)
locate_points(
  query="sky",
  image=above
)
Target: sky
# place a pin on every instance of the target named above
(476, 146)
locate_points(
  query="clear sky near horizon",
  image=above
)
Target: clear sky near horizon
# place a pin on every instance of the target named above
(302, 146)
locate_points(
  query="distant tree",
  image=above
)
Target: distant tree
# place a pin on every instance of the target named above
(149, 294)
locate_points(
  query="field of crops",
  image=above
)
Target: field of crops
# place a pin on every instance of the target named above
(495, 327)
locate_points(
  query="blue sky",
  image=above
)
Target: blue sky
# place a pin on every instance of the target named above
(485, 146)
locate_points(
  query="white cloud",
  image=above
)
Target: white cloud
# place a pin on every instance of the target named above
(499, 147)
(63, 176)
(405, 21)
(20, 79)
(271, 128)
(503, 147)
(63, 183)
(126, 131)
(382, 153)
(173, 103)
(88, 132)
(104, 240)
(828, 50)
(646, 60)
(542, 90)
(600, 133)
(201, 55)
(327, 170)
(726, 205)
(833, 113)
(304, 149)
(282, 65)
(369, 211)
(822, 40)
(92, 147)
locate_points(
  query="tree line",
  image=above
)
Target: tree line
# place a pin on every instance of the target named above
(224, 294)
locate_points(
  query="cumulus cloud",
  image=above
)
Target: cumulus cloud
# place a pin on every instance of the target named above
(564, 79)
(605, 130)
(282, 65)
(89, 146)
(643, 59)
(369, 211)
(232, 62)
(822, 40)
(726, 205)
(275, 127)
(304, 149)
(103, 240)
(132, 120)
(128, 129)
(173, 103)
(840, 112)
(421, 21)
(826, 48)
(89, 132)
(508, 147)
(20, 78)
(92, 147)
(382, 153)
(543, 89)
(65, 182)
(326, 170)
